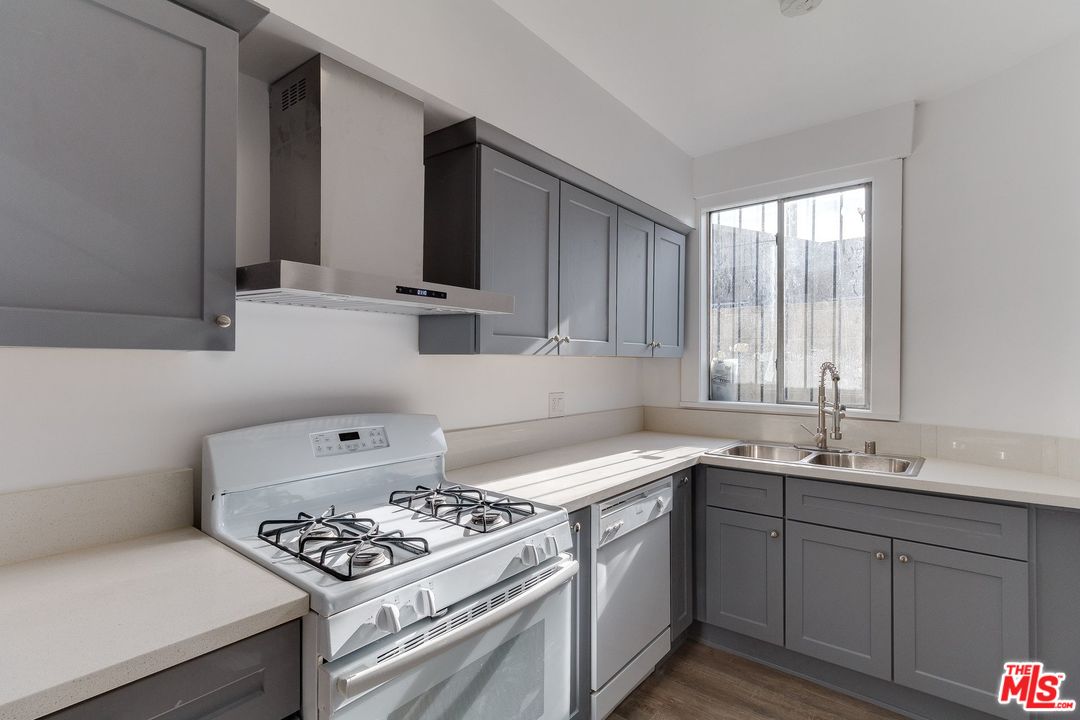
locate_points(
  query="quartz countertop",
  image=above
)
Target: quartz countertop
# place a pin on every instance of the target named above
(579, 475)
(84, 622)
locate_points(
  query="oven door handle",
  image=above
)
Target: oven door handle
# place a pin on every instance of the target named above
(372, 677)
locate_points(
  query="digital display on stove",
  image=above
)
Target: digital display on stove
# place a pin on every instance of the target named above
(347, 436)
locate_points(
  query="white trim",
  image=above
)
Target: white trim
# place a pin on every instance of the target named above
(886, 178)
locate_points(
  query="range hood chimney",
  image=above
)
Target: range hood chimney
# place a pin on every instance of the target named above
(347, 201)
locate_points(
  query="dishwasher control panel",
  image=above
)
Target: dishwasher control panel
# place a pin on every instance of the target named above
(622, 515)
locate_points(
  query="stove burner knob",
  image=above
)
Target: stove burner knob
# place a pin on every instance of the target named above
(388, 619)
(530, 555)
(425, 602)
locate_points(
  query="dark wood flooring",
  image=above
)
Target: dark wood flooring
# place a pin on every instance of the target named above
(702, 683)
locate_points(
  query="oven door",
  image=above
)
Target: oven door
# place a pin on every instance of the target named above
(502, 654)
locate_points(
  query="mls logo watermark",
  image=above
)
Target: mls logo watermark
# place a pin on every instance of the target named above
(1034, 689)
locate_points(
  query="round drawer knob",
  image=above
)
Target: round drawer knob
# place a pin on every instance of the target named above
(577, 527)
(774, 533)
(223, 321)
(903, 558)
(880, 555)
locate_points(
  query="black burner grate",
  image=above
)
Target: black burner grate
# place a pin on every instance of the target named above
(466, 507)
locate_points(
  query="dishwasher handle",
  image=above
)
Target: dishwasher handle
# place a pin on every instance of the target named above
(632, 514)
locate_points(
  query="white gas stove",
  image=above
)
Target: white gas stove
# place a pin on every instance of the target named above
(409, 577)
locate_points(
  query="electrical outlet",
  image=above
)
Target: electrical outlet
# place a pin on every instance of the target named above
(556, 404)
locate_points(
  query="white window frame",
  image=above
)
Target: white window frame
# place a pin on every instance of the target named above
(886, 199)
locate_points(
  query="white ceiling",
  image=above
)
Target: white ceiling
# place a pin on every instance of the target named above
(711, 74)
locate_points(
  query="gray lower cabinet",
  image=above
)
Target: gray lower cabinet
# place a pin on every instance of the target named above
(838, 603)
(580, 617)
(118, 175)
(668, 278)
(958, 616)
(682, 558)
(744, 573)
(254, 679)
(587, 255)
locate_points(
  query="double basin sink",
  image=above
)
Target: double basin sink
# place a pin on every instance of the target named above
(842, 460)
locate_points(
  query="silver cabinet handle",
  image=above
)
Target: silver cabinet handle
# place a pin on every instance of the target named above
(556, 339)
(577, 527)
(903, 558)
(880, 555)
(774, 533)
(223, 321)
(683, 481)
(566, 338)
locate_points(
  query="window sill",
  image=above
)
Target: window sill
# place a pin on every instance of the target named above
(775, 409)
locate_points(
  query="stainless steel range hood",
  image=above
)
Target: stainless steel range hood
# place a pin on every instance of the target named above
(347, 201)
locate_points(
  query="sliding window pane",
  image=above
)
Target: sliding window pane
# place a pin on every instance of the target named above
(742, 306)
(825, 306)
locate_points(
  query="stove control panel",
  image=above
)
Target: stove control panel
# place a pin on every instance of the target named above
(349, 440)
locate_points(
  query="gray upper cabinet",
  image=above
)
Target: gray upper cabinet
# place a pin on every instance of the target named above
(587, 254)
(519, 254)
(744, 574)
(838, 604)
(958, 617)
(682, 559)
(634, 306)
(118, 175)
(668, 290)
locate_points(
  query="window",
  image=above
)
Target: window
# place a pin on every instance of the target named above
(789, 274)
(788, 290)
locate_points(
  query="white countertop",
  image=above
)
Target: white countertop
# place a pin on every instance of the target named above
(81, 623)
(579, 475)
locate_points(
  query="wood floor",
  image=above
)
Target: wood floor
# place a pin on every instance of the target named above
(701, 683)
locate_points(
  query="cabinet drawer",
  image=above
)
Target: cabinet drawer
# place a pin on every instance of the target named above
(745, 491)
(963, 524)
(254, 679)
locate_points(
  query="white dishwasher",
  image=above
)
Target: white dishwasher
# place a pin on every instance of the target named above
(631, 603)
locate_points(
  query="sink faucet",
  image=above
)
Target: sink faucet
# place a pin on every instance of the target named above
(838, 411)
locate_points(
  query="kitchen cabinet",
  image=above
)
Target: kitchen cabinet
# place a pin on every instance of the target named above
(838, 603)
(651, 273)
(682, 560)
(492, 222)
(587, 253)
(668, 277)
(254, 679)
(580, 616)
(957, 617)
(119, 176)
(744, 573)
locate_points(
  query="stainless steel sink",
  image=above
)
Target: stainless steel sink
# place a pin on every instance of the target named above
(866, 463)
(839, 459)
(775, 453)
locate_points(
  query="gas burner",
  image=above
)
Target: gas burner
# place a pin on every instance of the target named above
(465, 507)
(345, 546)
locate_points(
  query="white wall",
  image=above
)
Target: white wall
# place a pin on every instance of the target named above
(991, 256)
(477, 57)
(71, 415)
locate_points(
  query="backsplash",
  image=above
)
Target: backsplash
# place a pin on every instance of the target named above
(1015, 451)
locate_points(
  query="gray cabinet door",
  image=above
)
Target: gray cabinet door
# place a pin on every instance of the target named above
(519, 254)
(682, 558)
(580, 616)
(118, 175)
(668, 291)
(838, 605)
(744, 574)
(958, 617)
(634, 304)
(587, 257)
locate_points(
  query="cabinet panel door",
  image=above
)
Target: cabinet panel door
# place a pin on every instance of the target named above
(118, 175)
(958, 617)
(668, 278)
(682, 560)
(581, 616)
(634, 304)
(519, 254)
(744, 574)
(587, 257)
(838, 591)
